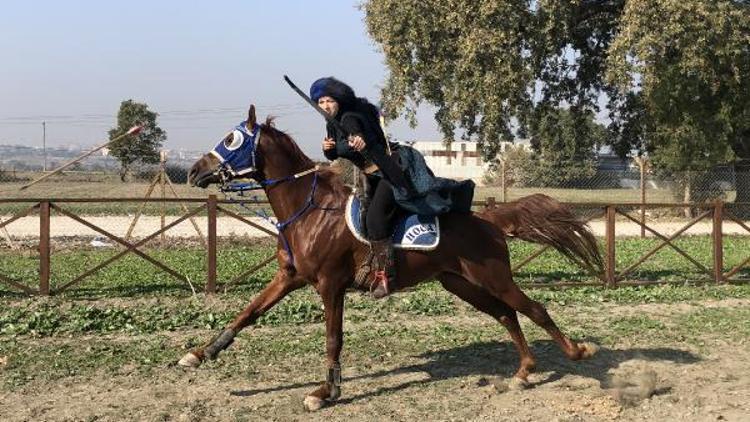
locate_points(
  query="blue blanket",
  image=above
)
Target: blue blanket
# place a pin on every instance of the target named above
(411, 232)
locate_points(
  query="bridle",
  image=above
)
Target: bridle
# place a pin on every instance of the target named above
(226, 173)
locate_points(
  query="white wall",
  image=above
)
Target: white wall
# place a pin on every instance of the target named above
(460, 162)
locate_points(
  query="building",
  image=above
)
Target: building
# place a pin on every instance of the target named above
(460, 160)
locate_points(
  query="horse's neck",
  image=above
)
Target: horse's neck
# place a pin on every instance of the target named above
(290, 197)
(287, 198)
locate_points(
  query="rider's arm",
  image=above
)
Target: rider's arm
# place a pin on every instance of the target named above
(353, 127)
(331, 154)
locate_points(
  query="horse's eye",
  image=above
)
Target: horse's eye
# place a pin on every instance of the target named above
(233, 140)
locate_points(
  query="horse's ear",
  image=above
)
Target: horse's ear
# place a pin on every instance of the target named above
(251, 117)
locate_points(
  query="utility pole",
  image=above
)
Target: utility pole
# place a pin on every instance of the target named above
(44, 144)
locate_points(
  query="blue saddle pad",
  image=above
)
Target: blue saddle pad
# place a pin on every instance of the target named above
(411, 232)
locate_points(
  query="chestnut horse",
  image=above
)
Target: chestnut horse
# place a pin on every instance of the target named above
(317, 248)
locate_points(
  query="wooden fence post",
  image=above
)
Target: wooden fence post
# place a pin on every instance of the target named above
(44, 248)
(163, 185)
(504, 180)
(642, 163)
(211, 276)
(611, 281)
(718, 241)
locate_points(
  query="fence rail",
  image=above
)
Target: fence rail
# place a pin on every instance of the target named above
(716, 212)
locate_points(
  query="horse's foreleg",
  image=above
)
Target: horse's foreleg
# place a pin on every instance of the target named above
(280, 286)
(331, 389)
(483, 301)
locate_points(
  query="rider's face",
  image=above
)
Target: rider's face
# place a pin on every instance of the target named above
(329, 105)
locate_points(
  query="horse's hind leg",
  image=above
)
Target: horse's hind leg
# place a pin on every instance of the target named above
(276, 290)
(498, 279)
(483, 301)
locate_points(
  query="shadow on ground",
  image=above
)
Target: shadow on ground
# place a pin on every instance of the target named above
(490, 359)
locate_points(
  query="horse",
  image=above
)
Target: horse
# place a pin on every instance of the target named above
(316, 248)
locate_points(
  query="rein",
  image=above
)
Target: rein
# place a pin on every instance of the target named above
(241, 188)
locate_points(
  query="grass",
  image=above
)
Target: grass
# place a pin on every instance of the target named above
(131, 276)
(577, 195)
(132, 319)
(105, 189)
(49, 362)
(58, 316)
(129, 323)
(81, 353)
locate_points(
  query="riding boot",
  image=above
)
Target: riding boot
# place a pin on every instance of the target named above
(385, 264)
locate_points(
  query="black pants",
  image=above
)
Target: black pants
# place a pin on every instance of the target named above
(383, 210)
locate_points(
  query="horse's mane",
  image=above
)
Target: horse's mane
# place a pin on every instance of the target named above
(295, 153)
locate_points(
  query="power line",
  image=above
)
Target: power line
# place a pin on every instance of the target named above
(165, 115)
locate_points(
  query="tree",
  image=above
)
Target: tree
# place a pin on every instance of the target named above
(563, 141)
(676, 73)
(144, 147)
(487, 65)
(688, 65)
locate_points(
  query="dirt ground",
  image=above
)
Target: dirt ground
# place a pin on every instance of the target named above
(635, 378)
(28, 227)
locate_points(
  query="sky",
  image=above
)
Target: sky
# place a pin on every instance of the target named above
(198, 64)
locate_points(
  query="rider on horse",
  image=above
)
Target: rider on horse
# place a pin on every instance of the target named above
(395, 177)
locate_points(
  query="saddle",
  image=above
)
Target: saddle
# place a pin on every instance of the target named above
(411, 232)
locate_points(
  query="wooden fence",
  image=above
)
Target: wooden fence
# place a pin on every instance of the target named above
(715, 212)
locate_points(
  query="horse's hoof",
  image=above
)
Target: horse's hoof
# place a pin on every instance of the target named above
(190, 361)
(588, 349)
(313, 403)
(517, 384)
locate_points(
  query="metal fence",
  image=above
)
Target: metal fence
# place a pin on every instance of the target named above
(621, 186)
(636, 184)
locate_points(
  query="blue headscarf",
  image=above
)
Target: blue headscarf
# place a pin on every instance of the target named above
(334, 88)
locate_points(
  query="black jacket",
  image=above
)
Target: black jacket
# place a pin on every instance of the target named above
(353, 123)
(365, 123)
(416, 188)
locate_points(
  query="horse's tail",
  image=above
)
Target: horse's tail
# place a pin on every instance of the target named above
(540, 219)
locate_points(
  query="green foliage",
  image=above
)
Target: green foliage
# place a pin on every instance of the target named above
(57, 318)
(159, 318)
(689, 81)
(465, 57)
(688, 62)
(488, 65)
(515, 158)
(133, 277)
(676, 72)
(143, 147)
(427, 302)
(564, 143)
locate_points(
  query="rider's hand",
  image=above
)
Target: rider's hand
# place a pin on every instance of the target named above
(328, 143)
(356, 142)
